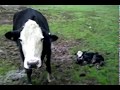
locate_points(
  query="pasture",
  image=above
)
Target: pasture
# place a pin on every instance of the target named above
(79, 27)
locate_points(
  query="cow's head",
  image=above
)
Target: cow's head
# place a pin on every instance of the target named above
(31, 40)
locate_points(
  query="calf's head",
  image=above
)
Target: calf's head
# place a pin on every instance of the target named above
(79, 56)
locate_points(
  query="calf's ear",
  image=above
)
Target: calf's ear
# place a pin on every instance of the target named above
(12, 35)
(53, 38)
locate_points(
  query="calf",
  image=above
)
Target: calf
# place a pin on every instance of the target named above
(33, 37)
(89, 57)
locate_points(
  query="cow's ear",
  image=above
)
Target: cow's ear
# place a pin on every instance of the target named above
(53, 38)
(12, 35)
(8, 35)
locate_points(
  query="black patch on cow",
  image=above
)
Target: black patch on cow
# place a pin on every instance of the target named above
(12, 35)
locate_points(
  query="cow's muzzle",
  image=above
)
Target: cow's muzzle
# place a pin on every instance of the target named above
(33, 64)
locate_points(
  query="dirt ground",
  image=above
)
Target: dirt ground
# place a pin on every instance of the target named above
(61, 56)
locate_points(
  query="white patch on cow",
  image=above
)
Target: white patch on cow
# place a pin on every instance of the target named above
(79, 53)
(32, 45)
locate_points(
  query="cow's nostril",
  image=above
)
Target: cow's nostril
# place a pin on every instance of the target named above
(28, 63)
(37, 62)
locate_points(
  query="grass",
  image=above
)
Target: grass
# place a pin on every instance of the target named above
(4, 28)
(96, 26)
(5, 66)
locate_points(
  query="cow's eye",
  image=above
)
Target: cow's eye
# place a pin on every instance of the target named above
(20, 40)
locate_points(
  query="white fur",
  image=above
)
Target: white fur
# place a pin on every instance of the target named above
(79, 53)
(32, 45)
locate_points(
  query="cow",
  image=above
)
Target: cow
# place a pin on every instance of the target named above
(84, 57)
(32, 35)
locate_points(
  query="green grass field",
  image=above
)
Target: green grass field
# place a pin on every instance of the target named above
(96, 27)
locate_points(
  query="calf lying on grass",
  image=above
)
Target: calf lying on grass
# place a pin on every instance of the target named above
(84, 57)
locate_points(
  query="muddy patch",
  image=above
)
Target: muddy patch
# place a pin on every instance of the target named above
(7, 12)
(14, 77)
(4, 20)
(61, 57)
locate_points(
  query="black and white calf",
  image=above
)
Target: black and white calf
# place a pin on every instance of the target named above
(32, 35)
(89, 58)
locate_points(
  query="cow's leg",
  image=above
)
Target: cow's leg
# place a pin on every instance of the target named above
(22, 58)
(48, 66)
(29, 72)
(43, 56)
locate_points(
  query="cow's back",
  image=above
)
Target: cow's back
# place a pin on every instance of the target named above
(21, 17)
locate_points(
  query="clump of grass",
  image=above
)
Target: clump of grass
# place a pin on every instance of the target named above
(4, 29)
(5, 66)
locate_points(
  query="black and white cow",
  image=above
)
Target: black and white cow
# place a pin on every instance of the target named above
(32, 35)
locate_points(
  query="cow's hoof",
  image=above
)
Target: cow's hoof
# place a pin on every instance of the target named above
(49, 80)
(29, 84)
(91, 65)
